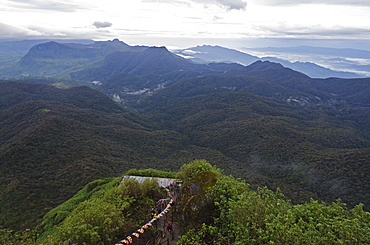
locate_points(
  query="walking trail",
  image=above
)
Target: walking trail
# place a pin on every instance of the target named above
(166, 238)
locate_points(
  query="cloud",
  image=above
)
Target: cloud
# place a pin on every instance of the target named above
(228, 4)
(99, 24)
(216, 18)
(31, 32)
(299, 31)
(8, 31)
(46, 32)
(233, 4)
(175, 2)
(298, 2)
(45, 5)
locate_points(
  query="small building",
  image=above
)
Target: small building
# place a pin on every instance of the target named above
(161, 181)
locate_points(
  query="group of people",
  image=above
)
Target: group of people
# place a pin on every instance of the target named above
(154, 212)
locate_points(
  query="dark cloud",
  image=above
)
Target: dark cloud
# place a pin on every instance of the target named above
(99, 24)
(298, 2)
(8, 31)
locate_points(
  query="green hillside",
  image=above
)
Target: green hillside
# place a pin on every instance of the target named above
(209, 208)
(290, 144)
(55, 141)
(50, 149)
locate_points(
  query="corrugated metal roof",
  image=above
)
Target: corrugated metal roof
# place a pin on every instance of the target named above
(161, 181)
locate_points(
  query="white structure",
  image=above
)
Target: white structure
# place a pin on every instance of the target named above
(161, 181)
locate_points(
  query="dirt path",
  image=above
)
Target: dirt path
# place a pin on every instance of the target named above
(167, 239)
(176, 234)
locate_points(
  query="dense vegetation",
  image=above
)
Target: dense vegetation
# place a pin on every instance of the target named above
(316, 148)
(264, 123)
(102, 212)
(55, 141)
(212, 208)
(219, 209)
(52, 145)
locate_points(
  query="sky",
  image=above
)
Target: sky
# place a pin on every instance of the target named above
(185, 23)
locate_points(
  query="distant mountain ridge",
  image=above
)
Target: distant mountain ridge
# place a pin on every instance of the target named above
(55, 50)
(341, 52)
(12, 51)
(207, 53)
(54, 58)
(127, 73)
(273, 80)
(136, 61)
(352, 60)
(24, 46)
(51, 58)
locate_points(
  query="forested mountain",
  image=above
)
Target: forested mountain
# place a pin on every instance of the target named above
(208, 54)
(265, 123)
(273, 80)
(128, 75)
(12, 51)
(52, 58)
(153, 61)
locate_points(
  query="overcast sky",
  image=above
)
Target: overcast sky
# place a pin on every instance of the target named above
(188, 22)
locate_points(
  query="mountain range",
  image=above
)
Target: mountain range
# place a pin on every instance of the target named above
(26, 58)
(266, 123)
(207, 53)
(344, 59)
